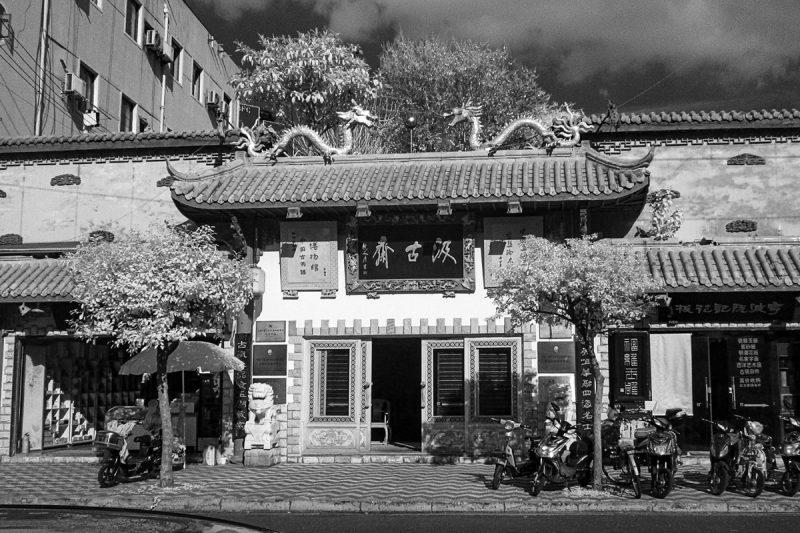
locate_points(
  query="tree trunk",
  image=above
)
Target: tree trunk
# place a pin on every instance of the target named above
(166, 416)
(597, 423)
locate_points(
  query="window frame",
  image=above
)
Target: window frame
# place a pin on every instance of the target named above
(176, 69)
(135, 32)
(438, 411)
(514, 344)
(91, 85)
(318, 353)
(134, 114)
(197, 81)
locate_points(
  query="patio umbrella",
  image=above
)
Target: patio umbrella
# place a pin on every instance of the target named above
(189, 355)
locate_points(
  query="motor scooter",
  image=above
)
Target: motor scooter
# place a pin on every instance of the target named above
(724, 454)
(506, 465)
(619, 456)
(146, 463)
(756, 458)
(790, 453)
(659, 444)
(563, 455)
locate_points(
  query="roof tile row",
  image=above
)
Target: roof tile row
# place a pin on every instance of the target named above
(35, 278)
(698, 117)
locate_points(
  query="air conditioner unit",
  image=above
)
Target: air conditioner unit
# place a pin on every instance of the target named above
(91, 118)
(212, 99)
(152, 40)
(74, 86)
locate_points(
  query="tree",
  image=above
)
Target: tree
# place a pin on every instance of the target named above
(431, 76)
(591, 284)
(153, 290)
(304, 80)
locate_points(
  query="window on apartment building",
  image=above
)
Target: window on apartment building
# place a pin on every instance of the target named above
(133, 10)
(127, 114)
(144, 125)
(337, 382)
(226, 110)
(494, 381)
(89, 78)
(176, 68)
(197, 81)
(448, 375)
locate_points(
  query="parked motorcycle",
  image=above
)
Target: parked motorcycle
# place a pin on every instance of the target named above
(506, 465)
(659, 443)
(790, 452)
(619, 456)
(724, 454)
(563, 455)
(144, 464)
(756, 458)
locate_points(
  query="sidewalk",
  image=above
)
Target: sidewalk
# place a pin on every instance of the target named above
(359, 488)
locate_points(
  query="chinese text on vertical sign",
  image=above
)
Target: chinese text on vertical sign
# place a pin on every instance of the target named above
(585, 410)
(748, 363)
(630, 361)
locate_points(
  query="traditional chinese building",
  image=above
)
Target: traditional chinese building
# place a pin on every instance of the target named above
(725, 339)
(55, 191)
(377, 273)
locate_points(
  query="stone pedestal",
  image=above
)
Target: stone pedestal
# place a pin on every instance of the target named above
(259, 457)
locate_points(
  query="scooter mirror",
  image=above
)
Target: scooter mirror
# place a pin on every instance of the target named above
(555, 407)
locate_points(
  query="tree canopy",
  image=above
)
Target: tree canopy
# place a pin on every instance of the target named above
(304, 80)
(429, 77)
(154, 289)
(591, 284)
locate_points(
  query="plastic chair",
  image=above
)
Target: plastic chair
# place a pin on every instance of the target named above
(380, 418)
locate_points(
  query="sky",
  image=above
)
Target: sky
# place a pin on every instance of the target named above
(644, 55)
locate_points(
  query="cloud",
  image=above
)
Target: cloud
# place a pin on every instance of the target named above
(738, 39)
(233, 10)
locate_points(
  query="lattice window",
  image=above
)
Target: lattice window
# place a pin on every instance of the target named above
(333, 373)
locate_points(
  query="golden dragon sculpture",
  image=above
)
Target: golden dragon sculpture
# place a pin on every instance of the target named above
(355, 116)
(565, 131)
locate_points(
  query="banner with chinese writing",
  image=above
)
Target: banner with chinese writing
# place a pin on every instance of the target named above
(241, 379)
(501, 242)
(308, 256)
(629, 366)
(584, 383)
(730, 307)
(749, 357)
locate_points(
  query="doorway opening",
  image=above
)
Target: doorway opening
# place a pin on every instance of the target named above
(396, 371)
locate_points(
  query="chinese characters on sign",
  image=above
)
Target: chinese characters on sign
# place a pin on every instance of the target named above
(585, 384)
(748, 362)
(270, 331)
(630, 367)
(241, 350)
(308, 256)
(423, 251)
(730, 307)
(501, 237)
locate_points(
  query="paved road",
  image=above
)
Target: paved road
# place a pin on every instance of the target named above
(358, 488)
(518, 523)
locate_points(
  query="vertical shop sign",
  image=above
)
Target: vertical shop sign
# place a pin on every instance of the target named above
(241, 350)
(630, 367)
(584, 380)
(752, 388)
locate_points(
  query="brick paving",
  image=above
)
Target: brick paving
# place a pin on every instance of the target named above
(341, 487)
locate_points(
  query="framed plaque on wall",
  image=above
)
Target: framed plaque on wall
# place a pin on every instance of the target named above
(501, 238)
(410, 253)
(308, 256)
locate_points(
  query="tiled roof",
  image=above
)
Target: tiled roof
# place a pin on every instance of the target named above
(104, 141)
(725, 267)
(35, 279)
(463, 177)
(700, 119)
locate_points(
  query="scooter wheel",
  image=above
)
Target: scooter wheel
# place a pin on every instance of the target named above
(662, 482)
(497, 477)
(718, 482)
(790, 482)
(107, 476)
(538, 483)
(753, 484)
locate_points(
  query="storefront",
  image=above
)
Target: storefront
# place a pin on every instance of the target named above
(725, 342)
(378, 274)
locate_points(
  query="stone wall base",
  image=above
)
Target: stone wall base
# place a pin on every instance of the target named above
(256, 457)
